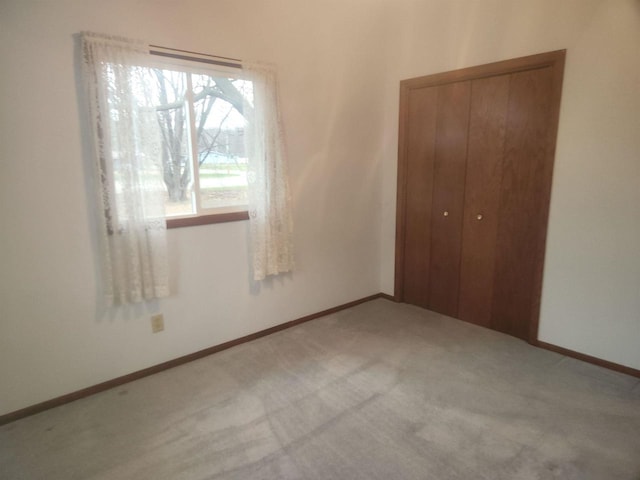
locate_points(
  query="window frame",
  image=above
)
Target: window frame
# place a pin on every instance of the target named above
(188, 63)
(206, 219)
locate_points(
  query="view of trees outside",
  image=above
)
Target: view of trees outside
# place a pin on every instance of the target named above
(218, 122)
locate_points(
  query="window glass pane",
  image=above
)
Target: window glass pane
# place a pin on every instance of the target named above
(219, 124)
(169, 89)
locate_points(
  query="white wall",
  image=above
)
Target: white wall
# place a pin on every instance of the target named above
(591, 292)
(340, 62)
(591, 297)
(53, 338)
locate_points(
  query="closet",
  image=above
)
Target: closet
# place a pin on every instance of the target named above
(475, 161)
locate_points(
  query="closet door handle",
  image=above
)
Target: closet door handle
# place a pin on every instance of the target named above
(479, 216)
(445, 213)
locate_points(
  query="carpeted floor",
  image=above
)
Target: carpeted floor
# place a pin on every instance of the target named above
(379, 391)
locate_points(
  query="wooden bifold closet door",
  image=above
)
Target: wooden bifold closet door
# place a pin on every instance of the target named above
(474, 178)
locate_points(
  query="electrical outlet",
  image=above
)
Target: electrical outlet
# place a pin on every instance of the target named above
(157, 323)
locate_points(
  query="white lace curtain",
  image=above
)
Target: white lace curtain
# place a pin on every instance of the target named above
(269, 199)
(126, 137)
(127, 141)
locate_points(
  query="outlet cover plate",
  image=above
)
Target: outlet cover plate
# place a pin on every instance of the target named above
(157, 323)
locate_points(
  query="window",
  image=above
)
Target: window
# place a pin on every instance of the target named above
(200, 108)
(201, 142)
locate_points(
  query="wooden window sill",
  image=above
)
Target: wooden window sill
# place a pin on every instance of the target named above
(207, 219)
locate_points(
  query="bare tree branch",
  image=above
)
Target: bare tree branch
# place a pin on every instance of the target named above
(172, 120)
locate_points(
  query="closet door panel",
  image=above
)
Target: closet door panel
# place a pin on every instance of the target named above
(419, 187)
(478, 141)
(522, 202)
(448, 195)
(487, 124)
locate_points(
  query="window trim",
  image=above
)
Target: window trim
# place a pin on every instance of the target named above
(182, 60)
(206, 219)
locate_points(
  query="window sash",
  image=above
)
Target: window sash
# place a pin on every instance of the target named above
(189, 66)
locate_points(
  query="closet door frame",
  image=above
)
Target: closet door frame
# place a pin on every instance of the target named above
(555, 60)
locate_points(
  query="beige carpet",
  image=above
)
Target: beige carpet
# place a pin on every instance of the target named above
(380, 391)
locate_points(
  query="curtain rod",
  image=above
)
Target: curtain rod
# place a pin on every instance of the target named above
(196, 53)
(232, 62)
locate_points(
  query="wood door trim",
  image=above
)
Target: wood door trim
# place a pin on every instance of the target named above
(401, 203)
(401, 196)
(555, 60)
(554, 119)
(530, 62)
